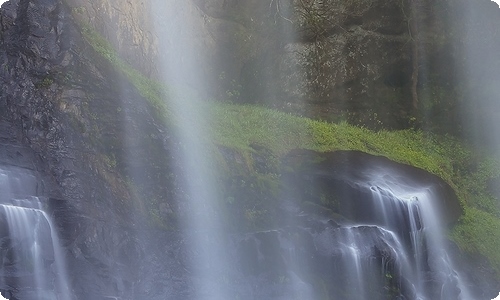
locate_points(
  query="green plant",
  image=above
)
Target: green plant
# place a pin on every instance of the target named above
(78, 10)
(153, 91)
(479, 232)
(45, 82)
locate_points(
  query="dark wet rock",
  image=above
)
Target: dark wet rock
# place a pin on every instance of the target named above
(60, 119)
(337, 174)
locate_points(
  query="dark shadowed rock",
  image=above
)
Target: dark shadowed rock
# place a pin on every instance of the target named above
(61, 118)
(346, 177)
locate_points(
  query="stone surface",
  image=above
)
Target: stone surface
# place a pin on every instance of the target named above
(127, 25)
(336, 60)
(61, 116)
(341, 173)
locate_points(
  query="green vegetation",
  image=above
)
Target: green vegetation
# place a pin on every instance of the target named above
(149, 89)
(241, 127)
(479, 232)
(45, 82)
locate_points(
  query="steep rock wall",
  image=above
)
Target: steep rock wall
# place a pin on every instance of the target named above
(127, 25)
(378, 63)
(66, 113)
(304, 57)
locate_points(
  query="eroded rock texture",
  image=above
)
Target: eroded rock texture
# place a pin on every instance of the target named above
(63, 115)
(391, 64)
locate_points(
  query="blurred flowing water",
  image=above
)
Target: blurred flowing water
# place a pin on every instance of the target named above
(412, 218)
(200, 219)
(31, 254)
(395, 249)
(398, 251)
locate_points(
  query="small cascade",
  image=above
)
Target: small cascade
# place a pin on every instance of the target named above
(365, 271)
(31, 258)
(369, 262)
(412, 215)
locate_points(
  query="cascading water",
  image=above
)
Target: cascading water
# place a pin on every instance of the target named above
(410, 225)
(31, 255)
(397, 252)
(370, 262)
(387, 241)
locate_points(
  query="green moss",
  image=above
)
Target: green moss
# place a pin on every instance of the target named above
(479, 232)
(149, 89)
(239, 126)
(45, 82)
(78, 10)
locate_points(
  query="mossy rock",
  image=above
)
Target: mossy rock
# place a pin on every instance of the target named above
(340, 181)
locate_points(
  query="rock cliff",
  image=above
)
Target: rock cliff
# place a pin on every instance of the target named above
(391, 64)
(127, 25)
(62, 114)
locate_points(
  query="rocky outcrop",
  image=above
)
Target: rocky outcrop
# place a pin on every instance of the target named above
(127, 25)
(304, 57)
(65, 113)
(377, 63)
(337, 174)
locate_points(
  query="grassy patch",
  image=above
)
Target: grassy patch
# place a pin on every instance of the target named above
(479, 232)
(239, 126)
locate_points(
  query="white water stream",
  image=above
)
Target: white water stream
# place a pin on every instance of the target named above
(33, 257)
(406, 218)
(412, 214)
(202, 224)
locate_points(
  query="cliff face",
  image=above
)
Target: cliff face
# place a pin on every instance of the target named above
(127, 25)
(311, 58)
(66, 113)
(376, 63)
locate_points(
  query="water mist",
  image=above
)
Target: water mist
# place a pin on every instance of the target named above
(182, 69)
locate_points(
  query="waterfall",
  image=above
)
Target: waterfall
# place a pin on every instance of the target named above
(411, 215)
(31, 256)
(399, 251)
(370, 262)
(182, 67)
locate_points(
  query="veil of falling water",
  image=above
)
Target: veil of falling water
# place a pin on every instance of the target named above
(180, 63)
(411, 212)
(405, 221)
